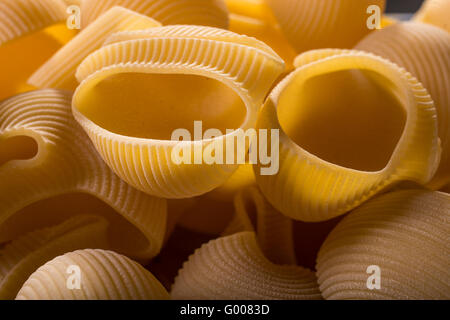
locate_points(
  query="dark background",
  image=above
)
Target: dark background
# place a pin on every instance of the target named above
(400, 6)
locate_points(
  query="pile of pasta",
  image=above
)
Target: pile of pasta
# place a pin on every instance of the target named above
(93, 206)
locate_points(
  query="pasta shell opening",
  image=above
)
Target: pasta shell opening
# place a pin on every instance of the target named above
(20, 147)
(350, 118)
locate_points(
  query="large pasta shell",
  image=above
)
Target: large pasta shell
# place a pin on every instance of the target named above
(323, 23)
(169, 77)
(393, 247)
(334, 155)
(62, 167)
(435, 12)
(59, 70)
(30, 32)
(212, 13)
(234, 267)
(104, 275)
(423, 50)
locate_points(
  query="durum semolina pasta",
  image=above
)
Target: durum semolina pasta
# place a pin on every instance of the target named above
(224, 150)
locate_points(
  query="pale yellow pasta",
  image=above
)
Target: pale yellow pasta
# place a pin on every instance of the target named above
(234, 268)
(397, 245)
(30, 32)
(351, 126)
(104, 275)
(59, 70)
(423, 50)
(212, 13)
(323, 23)
(435, 12)
(169, 78)
(49, 171)
(21, 257)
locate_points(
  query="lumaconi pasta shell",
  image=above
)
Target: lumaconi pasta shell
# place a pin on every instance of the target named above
(59, 71)
(323, 23)
(67, 163)
(273, 230)
(104, 275)
(435, 12)
(244, 66)
(309, 188)
(212, 13)
(405, 235)
(20, 258)
(423, 50)
(234, 268)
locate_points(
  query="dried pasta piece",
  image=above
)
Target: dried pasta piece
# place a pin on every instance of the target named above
(59, 70)
(20, 258)
(212, 13)
(423, 50)
(104, 275)
(435, 12)
(172, 78)
(28, 26)
(58, 174)
(336, 154)
(234, 268)
(404, 238)
(273, 230)
(323, 23)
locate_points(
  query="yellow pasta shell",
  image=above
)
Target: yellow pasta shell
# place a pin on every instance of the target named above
(233, 72)
(423, 50)
(104, 275)
(59, 70)
(20, 258)
(28, 26)
(323, 23)
(65, 163)
(212, 13)
(435, 12)
(357, 152)
(404, 234)
(234, 268)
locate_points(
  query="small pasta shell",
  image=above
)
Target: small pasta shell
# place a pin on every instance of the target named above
(323, 23)
(405, 235)
(435, 12)
(240, 69)
(67, 163)
(337, 175)
(59, 71)
(423, 50)
(21, 257)
(212, 13)
(104, 275)
(234, 268)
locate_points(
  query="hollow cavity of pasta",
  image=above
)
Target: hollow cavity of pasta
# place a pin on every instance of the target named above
(424, 50)
(50, 172)
(325, 23)
(93, 275)
(30, 33)
(234, 268)
(392, 247)
(143, 88)
(352, 125)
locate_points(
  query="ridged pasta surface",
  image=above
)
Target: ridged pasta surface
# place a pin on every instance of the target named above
(405, 235)
(59, 70)
(323, 23)
(20, 258)
(424, 51)
(65, 162)
(435, 12)
(234, 267)
(104, 275)
(234, 73)
(315, 183)
(197, 12)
